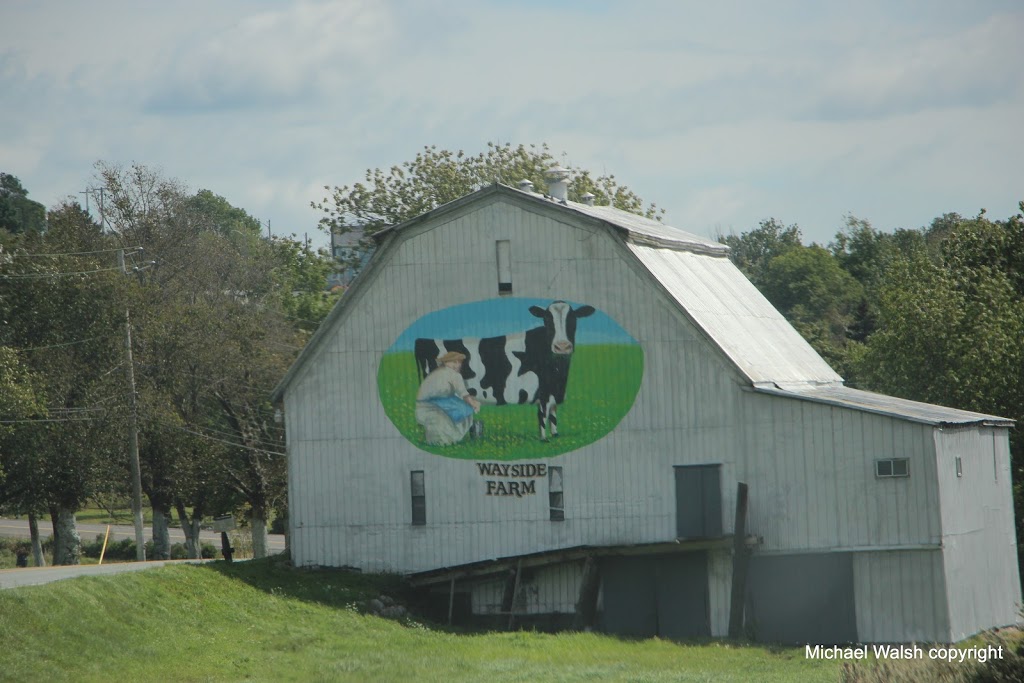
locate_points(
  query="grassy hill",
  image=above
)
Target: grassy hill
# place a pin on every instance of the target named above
(262, 621)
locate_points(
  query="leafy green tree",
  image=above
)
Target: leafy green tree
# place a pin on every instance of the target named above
(221, 313)
(752, 251)
(951, 326)
(435, 177)
(60, 302)
(817, 296)
(18, 213)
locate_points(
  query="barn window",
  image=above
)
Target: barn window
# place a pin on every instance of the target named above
(892, 467)
(504, 251)
(555, 500)
(959, 467)
(419, 498)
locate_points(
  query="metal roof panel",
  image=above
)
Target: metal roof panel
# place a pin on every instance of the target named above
(736, 316)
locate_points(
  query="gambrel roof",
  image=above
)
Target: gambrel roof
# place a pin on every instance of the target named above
(696, 273)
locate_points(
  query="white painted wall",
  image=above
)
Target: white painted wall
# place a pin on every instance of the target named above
(811, 472)
(900, 597)
(349, 467)
(978, 535)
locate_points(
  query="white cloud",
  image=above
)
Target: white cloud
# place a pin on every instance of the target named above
(275, 58)
(723, 113)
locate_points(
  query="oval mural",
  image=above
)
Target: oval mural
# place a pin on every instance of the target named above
(510, 378)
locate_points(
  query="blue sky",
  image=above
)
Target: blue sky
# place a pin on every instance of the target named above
(722, 113)
(495, 317)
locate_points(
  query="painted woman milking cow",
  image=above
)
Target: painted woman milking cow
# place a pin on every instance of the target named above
(483, 380)
(510, 369)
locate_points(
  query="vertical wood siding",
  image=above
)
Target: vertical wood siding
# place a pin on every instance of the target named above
(978, 534)
(349, 467)
(900, 597)
(543, 590)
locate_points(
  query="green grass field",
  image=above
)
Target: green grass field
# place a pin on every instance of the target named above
(261, 621)
(603, 383)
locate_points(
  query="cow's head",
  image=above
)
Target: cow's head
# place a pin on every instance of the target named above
(560, 322)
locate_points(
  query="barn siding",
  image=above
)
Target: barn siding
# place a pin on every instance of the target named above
(543, 590)
(978, 535)
(810, 468)
(688, 411)
(609, 498)
(900, 597)
(809, 465)
(719, 591)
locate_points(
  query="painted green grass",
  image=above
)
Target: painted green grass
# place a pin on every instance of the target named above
(259, 621)
(603, 382)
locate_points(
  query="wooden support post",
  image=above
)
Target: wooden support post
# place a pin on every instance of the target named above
(586, 602)
(739, 563)
(451, 600)
(515, 594)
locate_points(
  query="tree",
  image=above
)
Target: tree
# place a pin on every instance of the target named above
(221, 313)
(752, 251)
(60, 301)
(951, 326)
(807, 284)
(817, 296)
(18, 213)
(435, 177)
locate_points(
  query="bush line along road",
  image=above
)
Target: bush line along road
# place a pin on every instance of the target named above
(18, 528)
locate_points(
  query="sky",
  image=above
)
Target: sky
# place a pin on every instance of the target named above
(501, 316)
(722, 113)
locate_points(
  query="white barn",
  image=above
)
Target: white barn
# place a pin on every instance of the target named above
(869, 518)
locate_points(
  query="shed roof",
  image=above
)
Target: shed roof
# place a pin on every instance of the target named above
(882, 404)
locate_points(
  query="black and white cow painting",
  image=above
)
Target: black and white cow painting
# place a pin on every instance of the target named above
(520, 368)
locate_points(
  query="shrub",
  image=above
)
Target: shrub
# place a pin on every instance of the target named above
(1008, 669)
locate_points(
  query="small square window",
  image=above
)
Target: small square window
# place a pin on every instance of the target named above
(892, 467)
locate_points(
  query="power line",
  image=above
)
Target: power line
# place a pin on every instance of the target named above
(230, 443)
(57, 346)
(61, 419)
(76, 253)
(215, 431)
(42, 276)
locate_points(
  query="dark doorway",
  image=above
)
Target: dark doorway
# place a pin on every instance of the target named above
(664, 596)
(698, 501)
(802, 599)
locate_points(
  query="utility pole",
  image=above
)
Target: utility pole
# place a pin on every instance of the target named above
(133, 430)
(102, 217)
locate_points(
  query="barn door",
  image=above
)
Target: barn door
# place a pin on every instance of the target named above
(664, 596)
(698, 501)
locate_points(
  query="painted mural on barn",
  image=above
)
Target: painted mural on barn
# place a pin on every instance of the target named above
(510, 378)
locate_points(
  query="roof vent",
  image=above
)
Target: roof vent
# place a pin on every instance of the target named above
(558, 185)
(588, 199)
(525, 185)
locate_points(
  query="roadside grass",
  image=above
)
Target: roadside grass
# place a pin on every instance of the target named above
(603, 383)
(262, 621)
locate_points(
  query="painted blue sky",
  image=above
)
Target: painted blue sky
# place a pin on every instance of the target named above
(723, 113)
(495, 317)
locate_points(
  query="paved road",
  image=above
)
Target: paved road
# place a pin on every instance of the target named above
(34, 576)
(18, 528)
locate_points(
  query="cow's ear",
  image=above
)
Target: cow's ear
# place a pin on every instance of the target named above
(538, 311)
(584, 311)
